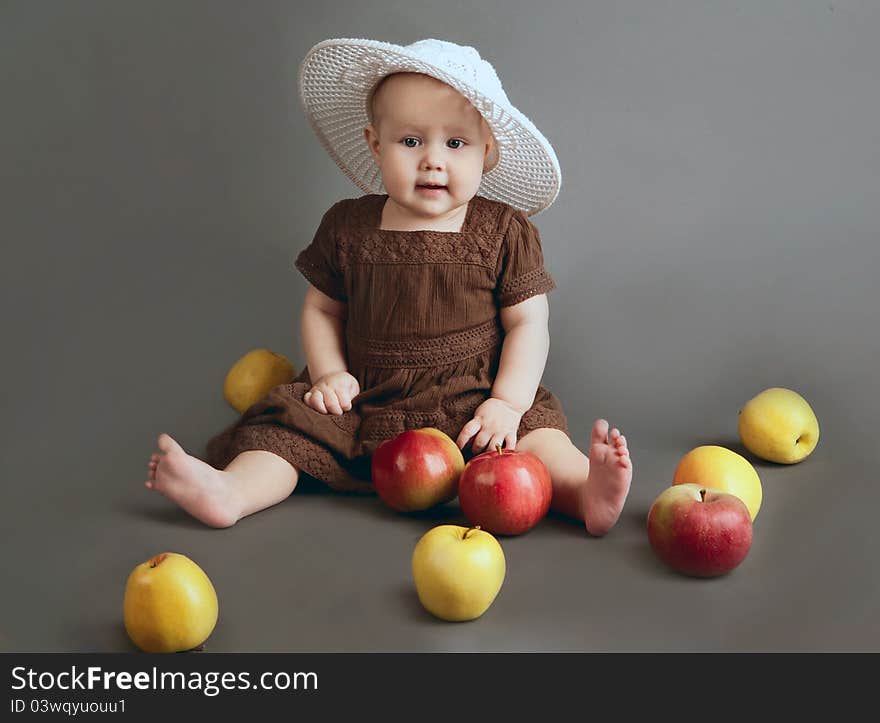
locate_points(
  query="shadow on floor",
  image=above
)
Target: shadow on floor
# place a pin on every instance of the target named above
(735, 445)
(407, 602)
(167, 513)
(104, 636)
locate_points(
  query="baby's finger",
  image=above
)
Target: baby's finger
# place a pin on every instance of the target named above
(481, 440)
(510, 441)
(496, 441)
(332, 402)
(316, 401)
(344, 400)
(467, 431)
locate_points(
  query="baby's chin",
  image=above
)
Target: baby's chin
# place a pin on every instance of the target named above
(438, 206)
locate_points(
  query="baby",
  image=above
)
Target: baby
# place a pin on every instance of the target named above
(427, 304)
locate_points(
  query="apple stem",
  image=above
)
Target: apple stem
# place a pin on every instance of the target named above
(498, 448)
(702, 495)
(156, 560)
(469, 530)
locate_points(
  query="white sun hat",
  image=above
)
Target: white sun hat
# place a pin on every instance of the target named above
(336, 81)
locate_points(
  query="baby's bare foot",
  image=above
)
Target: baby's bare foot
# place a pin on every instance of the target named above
(609, 479)
(196, 486)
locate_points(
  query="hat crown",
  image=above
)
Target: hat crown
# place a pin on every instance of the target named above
(461, 61)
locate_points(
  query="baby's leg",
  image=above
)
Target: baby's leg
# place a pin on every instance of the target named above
(591, 489)
(253, 481)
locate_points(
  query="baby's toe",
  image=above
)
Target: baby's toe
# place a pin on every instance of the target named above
(167, 444)
(599, 433)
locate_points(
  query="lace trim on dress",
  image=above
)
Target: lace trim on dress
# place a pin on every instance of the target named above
(541, 417)
(423, 353)
(418, 247)
(386, 425)
(320, 279)
(303, 453)
(537, 281)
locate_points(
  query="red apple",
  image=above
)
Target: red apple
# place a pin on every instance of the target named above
(417, 469)
(505, 491)
(700, 531)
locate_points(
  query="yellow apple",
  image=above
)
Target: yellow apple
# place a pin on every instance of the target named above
(458, 571)
(724, 470)
(170, 604)
(778, 425)
(254, 375)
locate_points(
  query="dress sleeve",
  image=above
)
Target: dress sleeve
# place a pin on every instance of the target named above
(319, 261)
(521, 273)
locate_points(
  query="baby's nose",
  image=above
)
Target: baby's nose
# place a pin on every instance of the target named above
(433, 159)
(432, 164)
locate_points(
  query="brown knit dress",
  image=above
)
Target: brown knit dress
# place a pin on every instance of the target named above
(423, 336)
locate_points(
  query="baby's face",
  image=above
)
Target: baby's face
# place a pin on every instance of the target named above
(425, 133)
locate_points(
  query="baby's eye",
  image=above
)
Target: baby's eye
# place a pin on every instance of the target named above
(408, 144)
(458, 143)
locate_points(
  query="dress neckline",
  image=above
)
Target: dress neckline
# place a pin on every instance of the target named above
(383, 198)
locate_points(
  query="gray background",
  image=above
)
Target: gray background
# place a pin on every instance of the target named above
(716, 234)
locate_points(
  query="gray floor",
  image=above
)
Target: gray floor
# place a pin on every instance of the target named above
(716, 235)
(329, 572)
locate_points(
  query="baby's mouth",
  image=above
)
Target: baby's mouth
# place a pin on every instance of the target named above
(431, 186)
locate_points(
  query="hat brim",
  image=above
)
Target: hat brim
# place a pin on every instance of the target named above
(336, 80)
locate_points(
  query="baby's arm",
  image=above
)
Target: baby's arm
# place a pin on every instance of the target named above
(523, 357)
(323, 333)
(523, 353)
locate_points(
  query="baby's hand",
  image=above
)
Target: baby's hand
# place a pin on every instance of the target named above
(332, 393)
(495, 422)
